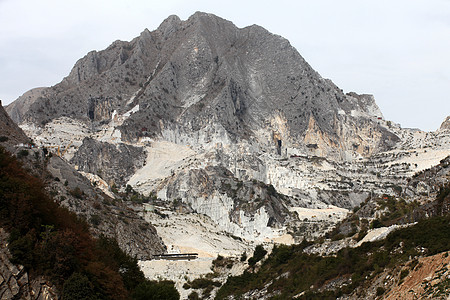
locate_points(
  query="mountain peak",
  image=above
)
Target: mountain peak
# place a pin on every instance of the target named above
(169, 25)
(202, 73)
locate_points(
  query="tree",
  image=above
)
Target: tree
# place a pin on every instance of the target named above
(77, 287)
(259, 254)
(150, 290)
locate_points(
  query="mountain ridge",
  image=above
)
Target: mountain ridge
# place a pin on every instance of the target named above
(200, 71)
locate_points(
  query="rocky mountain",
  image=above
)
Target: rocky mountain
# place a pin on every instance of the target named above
(205, 81)
(208, 93)
(203, 92)
(226, 132)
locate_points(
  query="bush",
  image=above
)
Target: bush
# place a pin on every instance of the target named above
(3, 139)
(380, 291)
(22, 153)
(404, 273)
(22, 250)
(186, 286)
(259, 254)
(77, 193)
(193, 296)
(376, 224)
(95, 220)
(203, 283)
(150, 290)
(282, 254)
(77, 287)
(244, 256)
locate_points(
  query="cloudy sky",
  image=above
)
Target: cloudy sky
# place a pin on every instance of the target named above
(397, 50)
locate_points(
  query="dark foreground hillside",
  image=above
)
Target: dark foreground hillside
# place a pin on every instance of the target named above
(52, 243)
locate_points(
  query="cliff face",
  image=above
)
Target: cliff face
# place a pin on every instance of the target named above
(242, 208)
(86, 202)
(10, 133)
(115, 163)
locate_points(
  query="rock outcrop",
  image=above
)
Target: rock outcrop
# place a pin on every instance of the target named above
(10, 133)
(114, 162)
(244, 209)
(15, 282)
(446, 124)
(107, 216)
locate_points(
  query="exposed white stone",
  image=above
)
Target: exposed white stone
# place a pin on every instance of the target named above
(163, 159)
(99, 182)
(377, 234)
(191, 233)
(331, 213)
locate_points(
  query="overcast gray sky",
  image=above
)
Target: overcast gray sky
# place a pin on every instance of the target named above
(397, 50)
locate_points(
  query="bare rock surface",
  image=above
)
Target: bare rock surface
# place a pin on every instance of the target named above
(10, 132)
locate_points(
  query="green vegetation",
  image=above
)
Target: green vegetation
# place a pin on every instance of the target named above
(380, 291)
(131, 195)
(49, 240)
(77, 193)
(193, 296)
(22, 153)
(259, 254)
(244, 256)
(427, 237)
(78, 287)
(207, 285)
(397, 209)
(151, 290)
(203, 283)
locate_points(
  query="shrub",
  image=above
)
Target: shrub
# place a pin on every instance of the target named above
(282, 254)
(404, 273)
(95, 220)
(186, 286)
(244, 256)
(77, 287)
(77, 193)
(259, 254)
(22, 153)
(380, 291)
(193, 296)
(203, 283)
(150, 290)
(376, 224)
